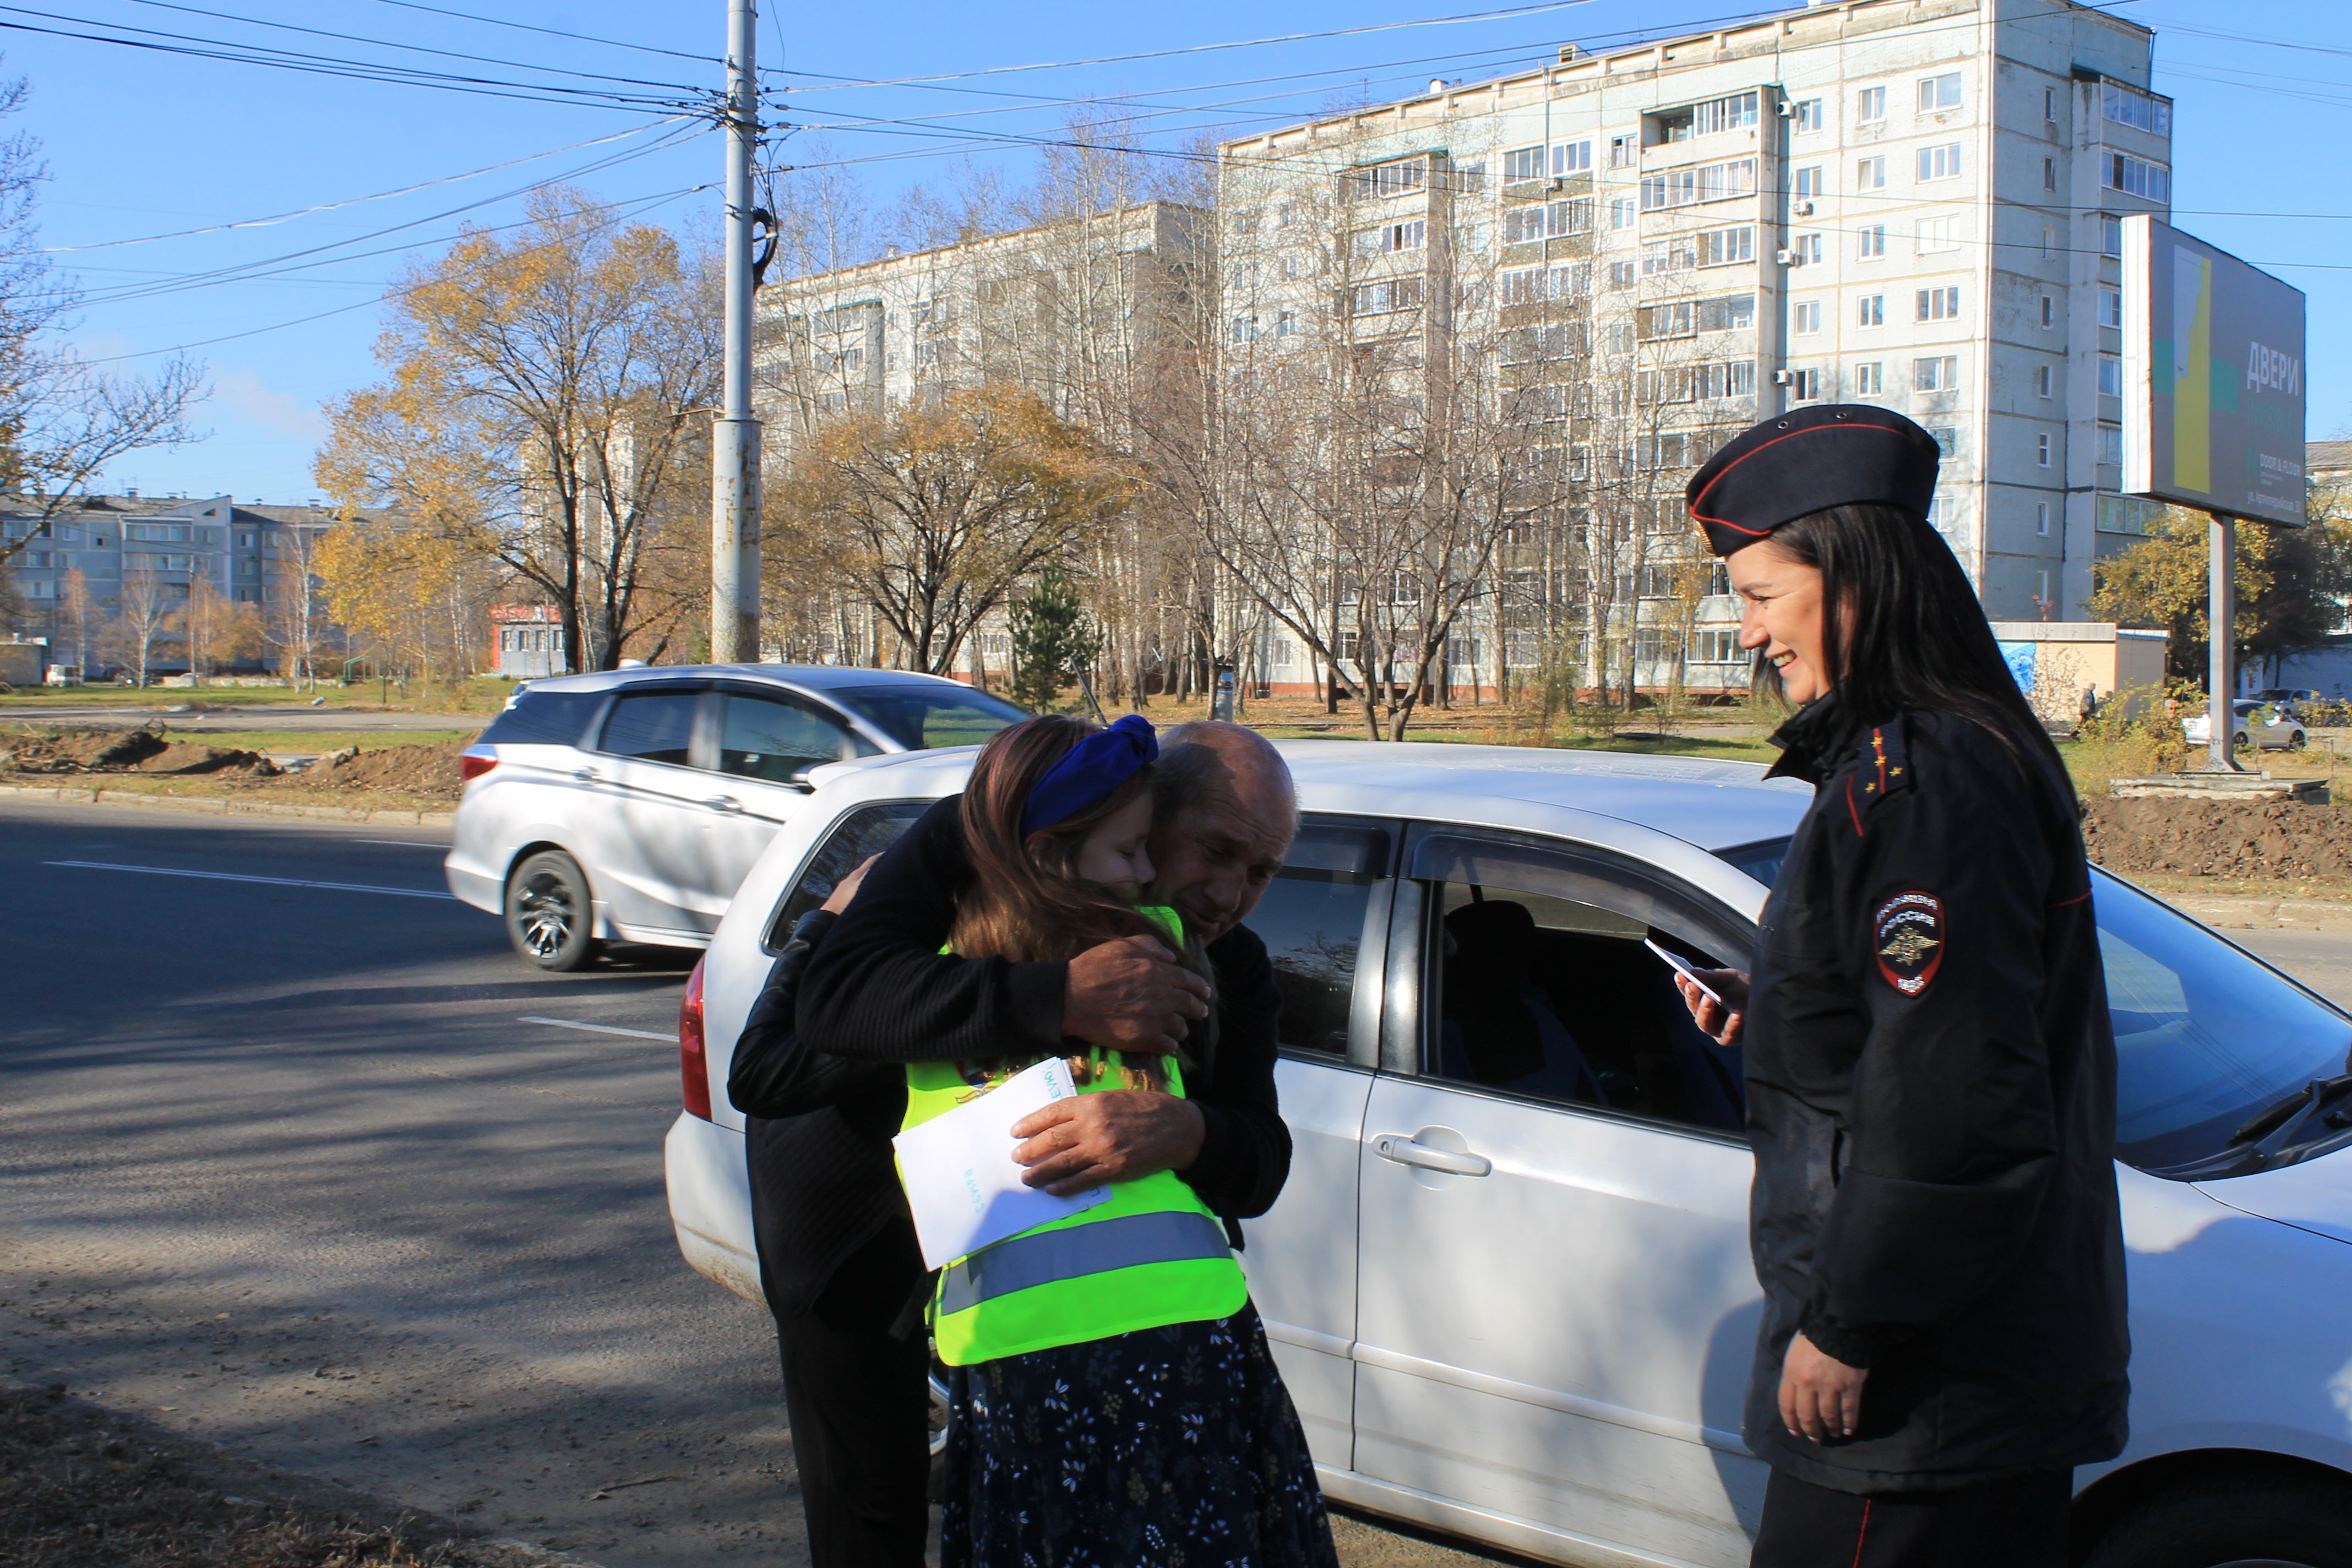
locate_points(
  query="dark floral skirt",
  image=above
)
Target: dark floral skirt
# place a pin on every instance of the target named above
(1172, 1448)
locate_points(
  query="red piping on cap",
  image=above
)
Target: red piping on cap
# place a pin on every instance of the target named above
(1699, 516)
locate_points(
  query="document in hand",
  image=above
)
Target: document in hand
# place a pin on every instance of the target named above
(962, 1183)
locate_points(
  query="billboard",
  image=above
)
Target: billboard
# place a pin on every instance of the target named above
(2213, 383)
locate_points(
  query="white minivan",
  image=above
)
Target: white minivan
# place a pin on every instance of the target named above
(1508, 1281)
(629, 803)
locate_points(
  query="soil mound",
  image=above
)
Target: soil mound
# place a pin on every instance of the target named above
(188, 757)
(2279, 840)
(84, 750)
(430, 771)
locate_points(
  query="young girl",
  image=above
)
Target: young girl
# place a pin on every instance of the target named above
(1114, 1401)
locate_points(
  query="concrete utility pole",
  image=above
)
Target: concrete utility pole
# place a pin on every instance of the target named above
(735, 435)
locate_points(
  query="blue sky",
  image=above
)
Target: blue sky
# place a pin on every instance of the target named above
(143, 143)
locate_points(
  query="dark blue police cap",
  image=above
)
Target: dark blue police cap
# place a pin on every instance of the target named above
(1831, 454)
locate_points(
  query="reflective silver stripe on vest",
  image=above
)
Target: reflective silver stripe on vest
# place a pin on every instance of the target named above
(1023, 1261)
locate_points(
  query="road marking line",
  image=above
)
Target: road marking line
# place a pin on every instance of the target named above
(403, 843)
(602, 1029)
(235, 877)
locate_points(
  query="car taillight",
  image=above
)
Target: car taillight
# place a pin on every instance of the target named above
(473, 763)
(693, 1061)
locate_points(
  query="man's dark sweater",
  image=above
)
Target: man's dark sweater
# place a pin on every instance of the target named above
(878, 989)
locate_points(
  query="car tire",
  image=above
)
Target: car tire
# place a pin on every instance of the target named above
(549, 916)
(2234, 1521)
(2297, 740)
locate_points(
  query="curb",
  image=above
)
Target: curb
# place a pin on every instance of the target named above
(222, 806)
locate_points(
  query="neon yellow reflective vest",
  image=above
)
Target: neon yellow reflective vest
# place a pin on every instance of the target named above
(1153, 1254)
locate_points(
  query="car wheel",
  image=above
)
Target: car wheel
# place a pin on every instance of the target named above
(549, 915)
(2237, 1521)
(2296, 740)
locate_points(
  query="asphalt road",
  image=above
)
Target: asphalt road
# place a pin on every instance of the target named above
(281, 1166)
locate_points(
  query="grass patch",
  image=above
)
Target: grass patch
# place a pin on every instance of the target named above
(305, 741)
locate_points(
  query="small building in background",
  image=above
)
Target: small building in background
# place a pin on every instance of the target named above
(2056, 661)
(528, 640)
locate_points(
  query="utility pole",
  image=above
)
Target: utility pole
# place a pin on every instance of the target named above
(735, 435)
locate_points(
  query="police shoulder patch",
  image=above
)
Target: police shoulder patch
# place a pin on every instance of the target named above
(1908, 933)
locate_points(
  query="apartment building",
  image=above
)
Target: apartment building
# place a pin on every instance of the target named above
(252, 553)
(1911, 203)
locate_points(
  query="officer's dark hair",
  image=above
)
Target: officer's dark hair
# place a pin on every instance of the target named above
(1902, 629)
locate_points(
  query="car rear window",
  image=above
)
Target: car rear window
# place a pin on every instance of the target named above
(921, 718)
(869, 830)
(545, 719)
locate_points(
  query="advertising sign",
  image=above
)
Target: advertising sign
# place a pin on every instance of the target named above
(2213, 378)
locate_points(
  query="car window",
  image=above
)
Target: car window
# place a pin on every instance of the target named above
(655, 726)
(869, 830)
(1540, 983)
(1312, 922)
(769, 738)
(921, 718)
(545, 719)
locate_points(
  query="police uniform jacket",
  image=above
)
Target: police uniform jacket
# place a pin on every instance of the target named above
(1931, 1092)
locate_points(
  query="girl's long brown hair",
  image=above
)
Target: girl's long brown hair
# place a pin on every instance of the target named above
(1026, 901)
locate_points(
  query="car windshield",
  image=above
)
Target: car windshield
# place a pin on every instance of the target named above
(2207, 1036)
(921, 718)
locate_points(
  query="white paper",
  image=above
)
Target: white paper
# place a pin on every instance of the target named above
(962, 1183)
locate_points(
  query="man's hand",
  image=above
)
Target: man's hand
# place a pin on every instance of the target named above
(1723, 1021)
(1132, 996)
(846, 888)
(1118, 1135)
(1818, 1397)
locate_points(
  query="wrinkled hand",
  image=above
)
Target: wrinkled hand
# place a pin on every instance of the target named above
(1723, 1021)
(1132, 996)
(846, 888)
(1818, 1397)
(1118, 1135)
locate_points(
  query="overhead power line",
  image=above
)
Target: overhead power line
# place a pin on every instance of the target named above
(551, 32)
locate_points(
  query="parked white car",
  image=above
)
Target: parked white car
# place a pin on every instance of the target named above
(2259, 724)
(1526, 1317)
(629, 803)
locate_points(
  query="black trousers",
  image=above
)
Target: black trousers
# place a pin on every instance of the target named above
(2020, 1523)
(859, 1400)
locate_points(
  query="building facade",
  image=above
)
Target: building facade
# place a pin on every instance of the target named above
(1910, 203)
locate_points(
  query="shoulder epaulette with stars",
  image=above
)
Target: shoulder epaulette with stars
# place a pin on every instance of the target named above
(1885, 768)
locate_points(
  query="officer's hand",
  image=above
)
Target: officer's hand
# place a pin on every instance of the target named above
(1118, 1135)
(1818, 1397)
(1719, 1021)
(1132, 996)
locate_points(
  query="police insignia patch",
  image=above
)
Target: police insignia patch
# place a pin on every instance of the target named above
(1908, 932)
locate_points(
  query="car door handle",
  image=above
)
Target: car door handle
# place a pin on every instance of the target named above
(1404, 1150)
(723, 803)
(586, 775)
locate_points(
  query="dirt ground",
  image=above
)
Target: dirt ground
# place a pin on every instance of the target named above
(423, 775)
(145, 751)
(2272, 842)
(84, 1487)
(429, 771)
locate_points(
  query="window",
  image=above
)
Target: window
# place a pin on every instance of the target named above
(1809, 186)
(1869, 379)
(863, 833)
(1523, 285)
(1572, 158)
(2041, 451)
(1380, 298)
(1655, 386)
(2049, 245)
(1522, 224)
(1621, 213)
(2041, 588)
(1698, 183)
(1572, 281)
(1678, 254)
(1731, 378)
(1941, 162)
(1621, 275)
(1285, 325)
(1660, 322)
(1385, 180)
(2111, 307)
(1869, 105)
(1937, 373)
(1311, 920)
(2140, 110)
(1726, 247)
(1938, 93)
(156, 533)
(1805, 318)
(1657, 581)
(2042, 518)
(1871, 242)
(2111, 445)
(2111, 376)
(2136, 176)
(1805, 250)
(2043, 376)
(1544, 989)
(1572, 216)
(1870, 175)
(1731, 312)
(1938, 234)
(1718, 647)
(1809, 115)
(1412, 235)
(245, 540)
(142, 562)
(1870, 310)
(922, 718)
(1245, 329)
(2049, 174)
(2049, 310)
(655, 726)
(1805, 386)
(765, 738)
(1736, 112)
(2110, 235)
(1939, 304)
(2126, 514)
(2050, 105)
(1523, 164)
(1624, 151)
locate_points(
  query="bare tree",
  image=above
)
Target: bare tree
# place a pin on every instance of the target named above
(294, 621)
(148, 607)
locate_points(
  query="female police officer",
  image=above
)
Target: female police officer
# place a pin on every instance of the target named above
(1931, 1068)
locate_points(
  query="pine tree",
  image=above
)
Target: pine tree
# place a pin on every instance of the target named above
(1052, 634)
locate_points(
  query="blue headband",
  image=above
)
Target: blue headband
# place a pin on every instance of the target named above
(1089, 771)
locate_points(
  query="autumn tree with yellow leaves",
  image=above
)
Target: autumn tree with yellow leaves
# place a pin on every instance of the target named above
(546, 408)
